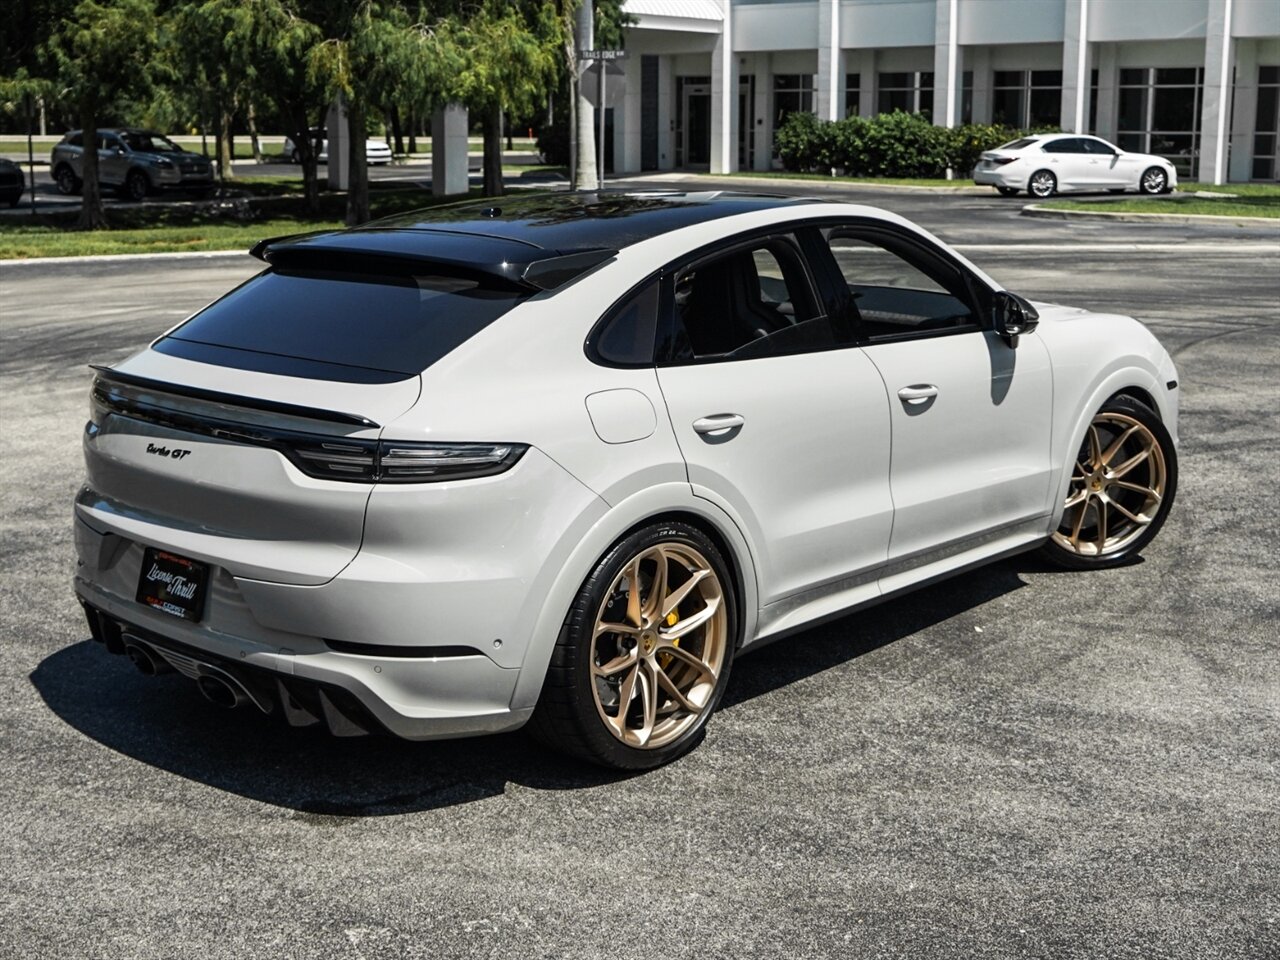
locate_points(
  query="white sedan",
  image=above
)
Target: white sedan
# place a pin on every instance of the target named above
(560, 460)
(375, 151)
(1059, 163)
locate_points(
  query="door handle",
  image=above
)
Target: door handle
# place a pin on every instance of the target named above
(718, 423)
(918, 393)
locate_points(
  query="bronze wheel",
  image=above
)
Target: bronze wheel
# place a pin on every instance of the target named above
(1122, 485)
(645, 654)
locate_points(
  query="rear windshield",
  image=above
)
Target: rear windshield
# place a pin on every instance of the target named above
(354, 327)
(1017, 144)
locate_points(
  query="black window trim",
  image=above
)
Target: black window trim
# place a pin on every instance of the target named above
(979, 294)
(667, 325)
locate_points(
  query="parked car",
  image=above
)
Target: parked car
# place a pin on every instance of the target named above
(562, 459)
(1057, 163)
(137, 162)
(375, 151)
(12, 182)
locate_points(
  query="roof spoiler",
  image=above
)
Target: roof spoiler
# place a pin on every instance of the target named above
(537, 271)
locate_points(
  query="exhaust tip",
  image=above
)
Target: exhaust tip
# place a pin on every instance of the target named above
(147, 661)
(218, 691)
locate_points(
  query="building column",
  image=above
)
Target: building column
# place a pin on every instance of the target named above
(978, 59)
(1244, 112)
(829, 97)
(724, 99)
(947, 79)
(1076, 67)
(764, 116)
(1215, 111)
(626, 120)
(450, 169)
(1108, 58)
(863, 63)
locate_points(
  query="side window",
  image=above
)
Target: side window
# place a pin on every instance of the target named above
(108, 141)
(897, 288)
(1097, 147)
(75, 140)
(1069, 145)
(624, 336)
(754, 301)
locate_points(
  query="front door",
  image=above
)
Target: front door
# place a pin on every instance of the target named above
(780, 422)
(113, 161)
(970, 414)
(695, 133)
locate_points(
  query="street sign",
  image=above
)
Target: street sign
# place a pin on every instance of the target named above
(602, 55)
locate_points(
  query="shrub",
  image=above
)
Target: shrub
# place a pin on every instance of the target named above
(889, 145)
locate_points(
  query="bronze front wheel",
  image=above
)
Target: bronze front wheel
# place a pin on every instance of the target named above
(1122, 485)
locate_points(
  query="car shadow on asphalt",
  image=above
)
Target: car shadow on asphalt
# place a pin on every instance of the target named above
(164, 722)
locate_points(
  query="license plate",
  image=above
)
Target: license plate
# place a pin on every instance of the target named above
(172, 584)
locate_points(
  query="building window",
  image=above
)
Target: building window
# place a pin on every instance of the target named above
(852, 93)
(792, 93)
(1093, 102)
(1160, 114)
(1266, 129)
(1027, 98)
(966, 97)
(908, 92)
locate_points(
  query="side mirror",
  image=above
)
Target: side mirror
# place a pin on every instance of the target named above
(1013, 316)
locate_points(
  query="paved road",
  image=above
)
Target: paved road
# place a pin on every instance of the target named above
(1016, 763)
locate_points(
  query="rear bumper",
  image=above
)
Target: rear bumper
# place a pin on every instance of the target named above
(999, 177)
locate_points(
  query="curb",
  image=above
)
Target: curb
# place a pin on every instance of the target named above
(834, 183)
(1049, 213)
(130, 257)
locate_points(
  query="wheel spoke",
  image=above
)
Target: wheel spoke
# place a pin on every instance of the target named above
(1137, 488)
(657, 586)
(625, 693)
(692, 659)
(648, 702)
(1129, 464)
(1116, 444)
(691, 622)
(625, 629)
(1100, 508)
(633, 592)
(1095, 447)
(1079, 522)
(676, 596)
(1136, 518)
(614, 666)
(675, 692)
(1077, 496)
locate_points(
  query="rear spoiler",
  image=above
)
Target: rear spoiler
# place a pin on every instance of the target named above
(512, 263)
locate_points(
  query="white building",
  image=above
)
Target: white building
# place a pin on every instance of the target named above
(1198, 81)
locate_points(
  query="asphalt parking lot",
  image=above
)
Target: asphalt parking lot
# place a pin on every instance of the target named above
(1019, 762)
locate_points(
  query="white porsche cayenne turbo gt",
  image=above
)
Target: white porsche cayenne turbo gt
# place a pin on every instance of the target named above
(562, 459)
(1057, 163)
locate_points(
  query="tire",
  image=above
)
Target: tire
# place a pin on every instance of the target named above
(1008, 191)
(136, 186)
(295, 157)
(13, 201)
(1153, 181)
(1042, 184)
(1108, 520)
(580, 711)
(68, 183)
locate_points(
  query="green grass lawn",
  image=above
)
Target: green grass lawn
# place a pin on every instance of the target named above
(1251, 200)
(161, 230)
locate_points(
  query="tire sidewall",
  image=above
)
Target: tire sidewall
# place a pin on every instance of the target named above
(65, 179)
(581, 625)
(134, 177)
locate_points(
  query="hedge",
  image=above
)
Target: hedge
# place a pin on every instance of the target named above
(888, 145)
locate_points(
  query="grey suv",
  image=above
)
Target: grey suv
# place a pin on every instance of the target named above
(138, 162)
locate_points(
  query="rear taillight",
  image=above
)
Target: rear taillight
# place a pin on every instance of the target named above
(399, 461)
(1001, 161)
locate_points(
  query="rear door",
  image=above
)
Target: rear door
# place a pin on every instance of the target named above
(970, 414)
(1069, 163)
(780, 419)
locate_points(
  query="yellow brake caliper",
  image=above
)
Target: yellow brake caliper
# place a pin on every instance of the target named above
(664, 660)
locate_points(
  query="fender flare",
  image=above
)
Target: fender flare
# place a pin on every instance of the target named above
(1132, 373)
(652, 502)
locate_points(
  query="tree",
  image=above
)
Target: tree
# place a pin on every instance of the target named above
(103, 50)
(509, 53)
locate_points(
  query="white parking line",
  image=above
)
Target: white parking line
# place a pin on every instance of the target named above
(1231, 247)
